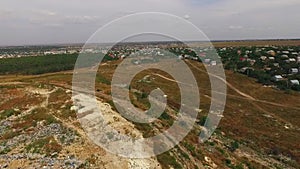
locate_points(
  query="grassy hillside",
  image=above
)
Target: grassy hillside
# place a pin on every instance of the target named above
(257, 132)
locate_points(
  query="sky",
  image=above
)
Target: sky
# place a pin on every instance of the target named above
(34, 22)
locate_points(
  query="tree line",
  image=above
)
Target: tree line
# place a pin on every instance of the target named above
(34, 65)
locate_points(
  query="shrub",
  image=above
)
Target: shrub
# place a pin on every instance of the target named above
(234, 145)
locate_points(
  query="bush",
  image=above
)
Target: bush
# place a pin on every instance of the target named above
(234, 145)
(228, 162)
(8, 113)
(166, 160)
(202, 120)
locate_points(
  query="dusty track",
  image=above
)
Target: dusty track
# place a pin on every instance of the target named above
(250, 98)
(246, 96)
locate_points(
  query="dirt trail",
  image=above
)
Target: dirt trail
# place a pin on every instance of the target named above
(244, 95)
(44, 93)
(250, 97)
(12, 83)
(240, 92)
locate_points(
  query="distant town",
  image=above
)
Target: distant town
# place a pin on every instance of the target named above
(272, 65)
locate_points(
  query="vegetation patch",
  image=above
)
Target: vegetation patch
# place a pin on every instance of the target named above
(8, 113)
(9, 135)
(46, 145)
(67, 113)
(167, 160)
(102, 79)
(146, 129)
(36, 115)
(5, 150)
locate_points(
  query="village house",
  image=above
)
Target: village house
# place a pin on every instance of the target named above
(251, 61)
(277, 78)
(246, 70)
(298, 59)
(271, 58)
(267, 68)
(213, 63)
(263, 58)
(294, 71)
(207, 61)
(180, 57)
(276, 64)
(294, 82)
(285, 52)
(271, 52)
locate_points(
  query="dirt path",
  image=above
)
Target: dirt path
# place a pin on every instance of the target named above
(250, 97)
(242, 93)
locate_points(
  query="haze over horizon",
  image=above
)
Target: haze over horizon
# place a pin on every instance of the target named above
(36, 22)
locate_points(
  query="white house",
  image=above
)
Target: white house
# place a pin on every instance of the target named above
(285, 52)
(206, 60)
(271, 52)
(271, 58)
(263, 57)
(48, 53)
(276, 64)
(213, 63)
(294, 82)
(294, 71)
(180, 57)
(277, 78)
(137, 62)
(246, 69)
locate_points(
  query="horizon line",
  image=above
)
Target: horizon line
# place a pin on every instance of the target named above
(154, 41)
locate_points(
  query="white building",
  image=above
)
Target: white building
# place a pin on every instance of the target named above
(207, 61)
(213, 63)
(271, 58)
(285, 52)
(294, 71)
(294, 82)
(276, 64)
(277, 78)
(263, 57)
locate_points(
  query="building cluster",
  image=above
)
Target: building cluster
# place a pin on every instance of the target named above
(26, 51)
(271, 65)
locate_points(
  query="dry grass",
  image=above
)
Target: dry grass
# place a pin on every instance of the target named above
(243, 120)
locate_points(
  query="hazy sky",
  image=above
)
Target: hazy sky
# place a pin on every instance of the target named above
(74, 21)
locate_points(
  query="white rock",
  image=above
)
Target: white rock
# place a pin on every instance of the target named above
(74, 108)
